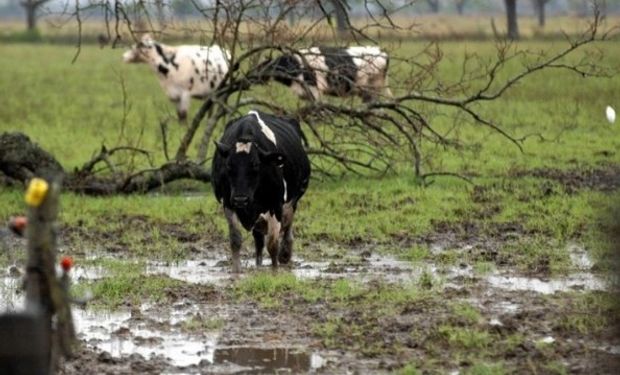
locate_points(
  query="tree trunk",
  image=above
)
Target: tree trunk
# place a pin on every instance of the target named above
(30, 7)
(434, 5)
(31, 17)
(21, 160)
(511, 17)
(460, 6)
(539, 7)
(341, 16)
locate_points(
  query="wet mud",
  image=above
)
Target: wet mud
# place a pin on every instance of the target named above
(205, 330)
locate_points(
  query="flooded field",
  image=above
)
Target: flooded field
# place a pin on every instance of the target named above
(222, 334)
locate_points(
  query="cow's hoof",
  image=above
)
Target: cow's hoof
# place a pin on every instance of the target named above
(284, 257)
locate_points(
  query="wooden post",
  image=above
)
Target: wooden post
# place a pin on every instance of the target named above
(23, 344)
(45, 295)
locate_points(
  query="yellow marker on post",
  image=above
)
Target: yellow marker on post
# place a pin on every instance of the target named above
(37, 190)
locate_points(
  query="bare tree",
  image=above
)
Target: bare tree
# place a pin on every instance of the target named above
(31, 7)
(511, 19)
(344, 135)
(433, 5)
(460, 6)
(342, 19)
(539, 8)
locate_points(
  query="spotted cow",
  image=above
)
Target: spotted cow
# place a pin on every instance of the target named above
(317, 71)
(184, 72)
(260, 171)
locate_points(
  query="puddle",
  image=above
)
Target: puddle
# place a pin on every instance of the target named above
(505, 307)
(578, 281)
(611, 349)
(217, 271)
(385, 268)
(11, 296)
(88, 273)
(579, 257)
(204, 271)
(262, 360)
(120, 336)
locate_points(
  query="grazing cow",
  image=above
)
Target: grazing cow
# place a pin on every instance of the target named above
(333, 71)
(184, 72)
(260, 171)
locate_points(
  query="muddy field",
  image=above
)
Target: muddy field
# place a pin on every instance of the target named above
(373, 312)
(509, 273)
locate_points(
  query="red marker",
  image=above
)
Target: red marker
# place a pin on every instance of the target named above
(18, 225)
(66, 263)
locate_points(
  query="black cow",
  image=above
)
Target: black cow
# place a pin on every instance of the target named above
(335, 71)
(260, 171)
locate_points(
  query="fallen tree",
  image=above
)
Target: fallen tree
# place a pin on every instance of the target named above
(21, 159)
(345, 136)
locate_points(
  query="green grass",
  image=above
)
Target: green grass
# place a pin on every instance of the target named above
(409, 370)
(589, 313)
(72, 109)
(486, 369)
(464, 338)
(90, 112)
(200, 323)
(466, 313)
(125, 283)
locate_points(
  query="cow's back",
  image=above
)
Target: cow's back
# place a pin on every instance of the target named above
(289, 139)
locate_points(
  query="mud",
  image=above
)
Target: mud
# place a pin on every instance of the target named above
(206, 330)
(603, 179)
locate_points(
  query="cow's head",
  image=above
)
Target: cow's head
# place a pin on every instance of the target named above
(140, 51)
(284, 69)
(246, 165)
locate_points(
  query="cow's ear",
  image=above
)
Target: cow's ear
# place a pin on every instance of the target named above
(272, 158)
(222, 148)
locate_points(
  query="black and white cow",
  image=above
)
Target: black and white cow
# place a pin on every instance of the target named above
(335, 71)
(260, 171)
(184, 72)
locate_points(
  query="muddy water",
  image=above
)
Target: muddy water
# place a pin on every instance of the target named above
(261, 360)
(155, 331)
(202, 271)
(121, 333)
(11, 297)
(579, 281)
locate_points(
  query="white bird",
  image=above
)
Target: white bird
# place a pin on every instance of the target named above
(611, 114)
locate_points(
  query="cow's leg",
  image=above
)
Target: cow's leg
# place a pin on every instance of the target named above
(235, 239)
(269, 225)
(367, 95)
(183, 106)
(259, 243)
(286, 246)
(381, 86)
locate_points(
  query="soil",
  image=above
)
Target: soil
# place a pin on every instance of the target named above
(257, 339)
(605, 178)
(203, 328)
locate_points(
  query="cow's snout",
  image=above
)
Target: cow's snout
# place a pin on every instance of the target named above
(240, 201)
(129, 56)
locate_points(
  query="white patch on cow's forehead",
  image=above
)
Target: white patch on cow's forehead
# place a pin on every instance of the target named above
(243, 147)
(263, 127)
(285, 189)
